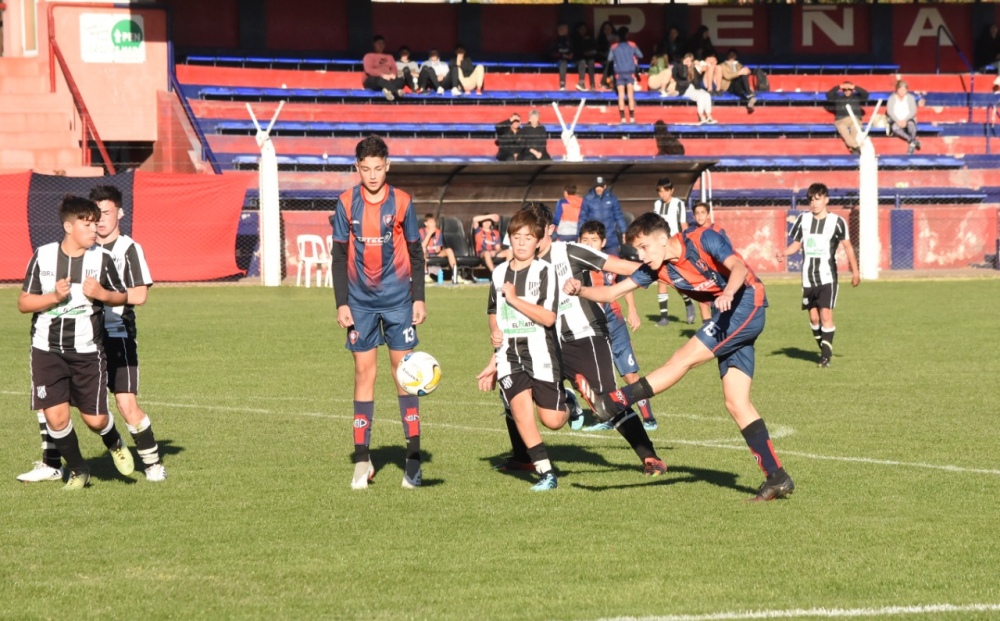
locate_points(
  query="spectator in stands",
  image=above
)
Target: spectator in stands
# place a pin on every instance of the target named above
(585, 54)
(602, 205)
(567, 216)
(661, 78)
(695, 89)
(673, 45)
(666, 143)
(432, 241)
(712, 73)
(486, 237)
(988, 48)
(901, 110)
(380, 71)
(700, 44)
(465, 76)
(736, 80)
(842, 96)
(534, 140)
(625, 56)
(562, 49)
(407, 69)
(606, 36)
(434, 74)
(509, 139)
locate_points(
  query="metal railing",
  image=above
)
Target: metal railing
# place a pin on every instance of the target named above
(937, 63)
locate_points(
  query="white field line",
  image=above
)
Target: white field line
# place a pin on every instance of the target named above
(820, 613)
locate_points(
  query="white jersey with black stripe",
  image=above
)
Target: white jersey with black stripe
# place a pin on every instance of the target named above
(578, 318)
(527, 347)
(130, 260)
(75, 325)
(820, 238)
(673, 212)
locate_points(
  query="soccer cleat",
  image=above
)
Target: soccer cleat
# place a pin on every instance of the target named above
(156, 472)
(779, 485)
(364, 472)
(605, 426)
(575, 411)
(650, 424)
(77, 480)
(603, 406)
(41, 472)
(546, 483)
(689, 311)
(412, 483)
(122, 458)
(664, 321)
(653, 467)
(824, 363)
(515, 465)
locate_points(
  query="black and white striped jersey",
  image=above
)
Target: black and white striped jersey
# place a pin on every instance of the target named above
(578, 318)
(119, 321)
(820, 239)
(526, 347)
(674, 212)
(77, 324)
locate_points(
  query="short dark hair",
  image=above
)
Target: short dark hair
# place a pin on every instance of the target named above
(526, 218)
(623, 33)
(646, 224)
(665, 183)
(403, 48)
(817, 189)
(459, 49)
(429, 216)
(433, 52)
(594, 226)
(378, 38)
(707, 207)
(78, 208)
(106, 193)
(372, 146)
(541, 211)
(570, 188)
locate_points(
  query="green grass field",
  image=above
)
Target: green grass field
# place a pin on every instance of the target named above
(894, 452)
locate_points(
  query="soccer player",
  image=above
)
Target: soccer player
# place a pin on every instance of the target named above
(818, 234)
(432, 240)
(672, 210)
(703, 218)
(594, 235)
(486, 237)
(522, 314)
(702, 263)
(378, 282)
(66, 287)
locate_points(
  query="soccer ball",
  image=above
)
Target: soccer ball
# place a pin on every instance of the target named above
(418, 373)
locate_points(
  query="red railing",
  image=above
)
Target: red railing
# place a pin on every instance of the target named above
(55, 54)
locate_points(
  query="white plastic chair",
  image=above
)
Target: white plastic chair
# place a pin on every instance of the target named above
(329, 262)
(312, 255)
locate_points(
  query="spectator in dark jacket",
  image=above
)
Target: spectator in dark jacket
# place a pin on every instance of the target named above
(509, 139)
(842, 96)
(466, 76)
(601, 205)
(585, 54)
(988, 47)
(562, 50)
(534, 140)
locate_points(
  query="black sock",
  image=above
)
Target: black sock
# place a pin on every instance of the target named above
(663, 299)
(631, 113)
(634, 392)
(145, 442)
(826, 344)
(540, 458)
(364, 412)
(68, 446)
(817, 335)
(50, 454)
(621, 113)
(629, 424)
(110, 436)
(759, 441)
(519, 450)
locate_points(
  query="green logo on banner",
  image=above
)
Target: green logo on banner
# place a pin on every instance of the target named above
(127, 34)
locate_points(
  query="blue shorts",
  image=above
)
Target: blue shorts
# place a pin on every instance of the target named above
(621, 345)
(731, 335)
(385, 327)
(624, 79)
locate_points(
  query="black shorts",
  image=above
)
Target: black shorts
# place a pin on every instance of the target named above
(79, 379)
(123, 364)
(546, 395)
(823, 296)
(592, 358)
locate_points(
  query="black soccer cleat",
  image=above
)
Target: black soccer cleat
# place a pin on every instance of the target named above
(604, 407)
(779, 485)
(824, 363)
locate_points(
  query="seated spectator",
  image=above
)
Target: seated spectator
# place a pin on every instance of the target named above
(660, 76)
(987, 51)
(407, 69)
(585, 54)
(508, 140)
(673, 45)
(562, 49)
(695, 89)
(666, 143)
(901, 110)
(736, 80)
(380, 71)
(700, 45)
(712, 73)
(534, 140)
(567, 215)
(486, 237)
(432, 241)
(464, 75)
(434, 74)
(842, 96)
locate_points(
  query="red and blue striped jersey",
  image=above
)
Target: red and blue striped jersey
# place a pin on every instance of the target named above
(700, 272)
(487, 241)
(436, 244)
(378, 260)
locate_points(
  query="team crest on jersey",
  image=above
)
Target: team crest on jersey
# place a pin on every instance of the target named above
(507, 382)
(534, 288)
(352, 336)
(41, 392)
(93, 273)
(562, 270)
(387, 220)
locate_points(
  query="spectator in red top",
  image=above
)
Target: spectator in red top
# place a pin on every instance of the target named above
(487, 237)
(567, 216)
(381, 73)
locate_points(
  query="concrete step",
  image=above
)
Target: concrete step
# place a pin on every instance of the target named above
(34, 102)
(11, 122)
(19, 66)
(18, 138)
(31, 84)
(42, 160)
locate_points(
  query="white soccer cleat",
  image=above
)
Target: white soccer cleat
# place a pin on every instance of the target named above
(416, 481)
(40, 472)
(156, 472)
(364, 472)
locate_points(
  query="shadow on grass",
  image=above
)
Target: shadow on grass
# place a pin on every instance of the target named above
(566, 459)
(797, 353)
(103, 469)
(396, 454)
(680, 474)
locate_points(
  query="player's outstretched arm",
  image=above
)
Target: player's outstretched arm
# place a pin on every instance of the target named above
(852, 260)
(602, 295)
(622, 267)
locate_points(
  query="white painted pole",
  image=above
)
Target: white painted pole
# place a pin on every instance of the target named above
(870, 244)
(269, 214)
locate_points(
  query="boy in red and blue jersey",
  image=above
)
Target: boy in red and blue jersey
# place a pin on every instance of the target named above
(378, 281)
(432, 240)
(487, 238)
(702, 264)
